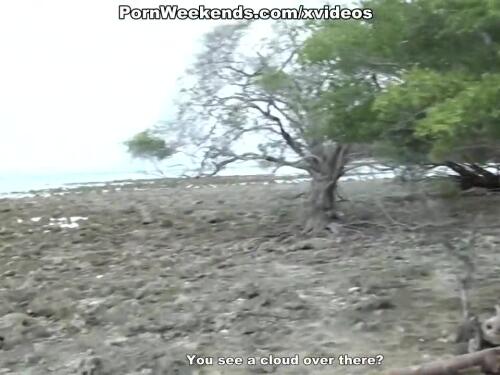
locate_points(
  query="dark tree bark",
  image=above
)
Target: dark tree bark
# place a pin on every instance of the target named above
(327, 166)
(473, 175)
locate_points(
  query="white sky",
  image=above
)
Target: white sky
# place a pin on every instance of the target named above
(75, 81)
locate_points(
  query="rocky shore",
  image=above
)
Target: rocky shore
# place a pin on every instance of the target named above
(131, 278)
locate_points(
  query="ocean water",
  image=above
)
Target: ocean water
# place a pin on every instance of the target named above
(22, 182)
(14, 182)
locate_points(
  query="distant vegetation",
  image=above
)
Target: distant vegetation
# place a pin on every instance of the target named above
(148, 146)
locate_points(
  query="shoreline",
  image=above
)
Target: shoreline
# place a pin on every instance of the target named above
(175, 182)
(60, 187)
(166, 182)
(16, 185)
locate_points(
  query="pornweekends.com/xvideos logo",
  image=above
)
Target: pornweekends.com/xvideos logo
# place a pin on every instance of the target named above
(174, 12)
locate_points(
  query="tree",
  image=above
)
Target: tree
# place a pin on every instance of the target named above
(263, 104)
(147, 145)
(437, 64)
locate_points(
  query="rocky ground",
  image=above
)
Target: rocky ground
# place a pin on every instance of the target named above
(130, 279)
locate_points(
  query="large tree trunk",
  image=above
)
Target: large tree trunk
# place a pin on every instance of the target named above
(473, 175)
(328, 166)
(321, 204)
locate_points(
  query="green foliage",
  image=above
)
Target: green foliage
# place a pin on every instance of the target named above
(420, 81)
(421, 89)
(273, 81)
(145, 145)
(347, 114)
(470, 118)
(453, 114)
(342, 42)
(400, 110)
(438, 65)
(354, 45)
(243, 105)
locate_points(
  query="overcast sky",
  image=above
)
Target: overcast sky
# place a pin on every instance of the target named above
(75, 81)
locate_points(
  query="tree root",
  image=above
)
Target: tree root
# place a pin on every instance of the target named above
(482, 362)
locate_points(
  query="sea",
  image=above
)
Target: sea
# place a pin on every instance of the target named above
(16, 183)
(13, 182)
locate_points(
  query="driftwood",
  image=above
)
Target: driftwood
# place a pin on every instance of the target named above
(482, 362)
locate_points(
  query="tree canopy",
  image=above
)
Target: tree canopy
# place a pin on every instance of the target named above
(418, 84)
(437, 64)
(149, 146)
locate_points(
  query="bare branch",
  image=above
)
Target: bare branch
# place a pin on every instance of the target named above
(242, 72)
(231, 157)
(288, 59)
(286, 136)
(284, 114)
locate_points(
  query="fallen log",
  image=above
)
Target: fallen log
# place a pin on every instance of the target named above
(482, 362)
